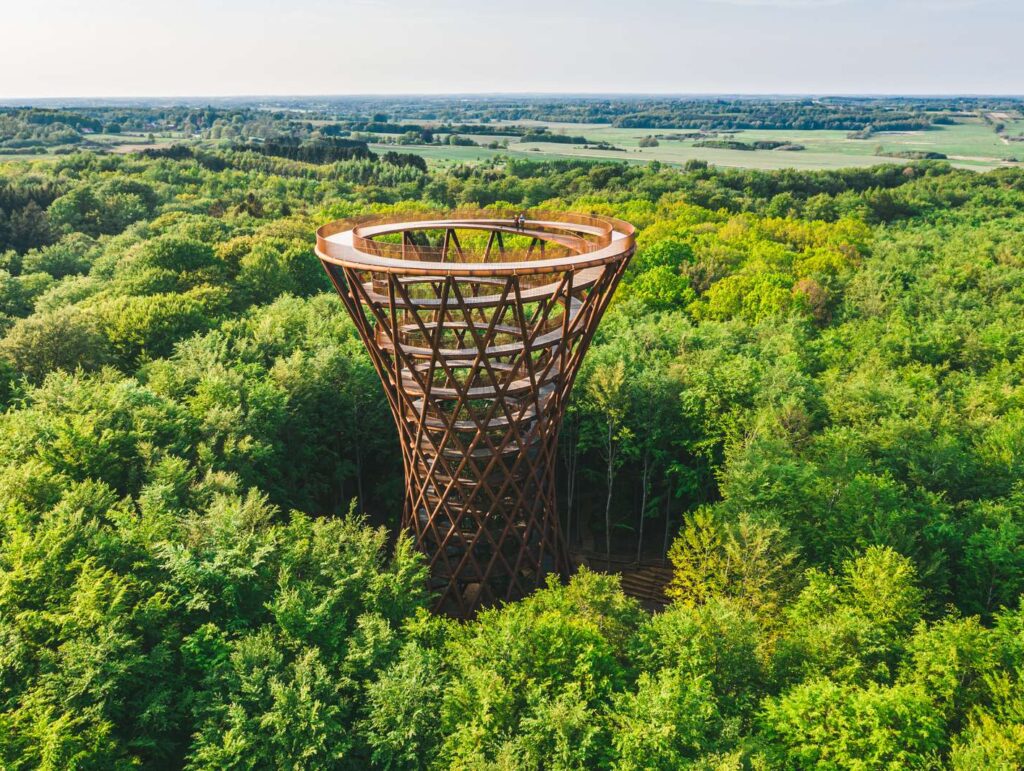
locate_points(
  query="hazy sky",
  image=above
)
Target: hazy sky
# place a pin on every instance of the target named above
(248, 47)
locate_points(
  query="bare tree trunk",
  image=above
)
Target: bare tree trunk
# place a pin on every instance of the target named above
(568, 526)
(573, 462)
(359, 475)
(643, 509)
(358, 447)
(668, 520)
(608, 500)
(578, 505)
(569, 443)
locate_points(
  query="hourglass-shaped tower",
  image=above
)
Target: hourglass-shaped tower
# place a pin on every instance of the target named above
(477, 325)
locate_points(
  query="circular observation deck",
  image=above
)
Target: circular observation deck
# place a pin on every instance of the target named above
(475, 244)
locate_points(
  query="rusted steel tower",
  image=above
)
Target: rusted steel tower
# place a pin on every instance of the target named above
(477, 325)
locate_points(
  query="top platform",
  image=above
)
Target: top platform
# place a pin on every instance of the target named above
(545, 242)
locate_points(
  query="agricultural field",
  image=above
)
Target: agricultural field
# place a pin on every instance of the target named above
(971, 144)
(113, 143)
(804, 134)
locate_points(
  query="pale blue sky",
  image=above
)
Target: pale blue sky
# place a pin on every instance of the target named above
(231, 47)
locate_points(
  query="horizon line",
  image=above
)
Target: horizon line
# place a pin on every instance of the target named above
(11, 100)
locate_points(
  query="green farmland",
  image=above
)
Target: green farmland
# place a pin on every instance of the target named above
(972, 134)
(113, 143)
(971, 144)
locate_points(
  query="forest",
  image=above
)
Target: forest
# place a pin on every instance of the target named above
(808, 394)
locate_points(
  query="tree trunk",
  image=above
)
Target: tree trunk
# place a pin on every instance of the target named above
(569, 444)
(568, 527)
(359, 475)
(668, 520)
(357, 436)
(643, 510)
(571, 492)
(608, 500)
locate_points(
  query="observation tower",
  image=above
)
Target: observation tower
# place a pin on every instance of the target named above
(477, 325)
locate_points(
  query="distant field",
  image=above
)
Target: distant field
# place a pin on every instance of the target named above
(117, 143)
(971, 145)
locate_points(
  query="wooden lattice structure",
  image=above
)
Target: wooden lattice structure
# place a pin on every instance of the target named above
(477, 325)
